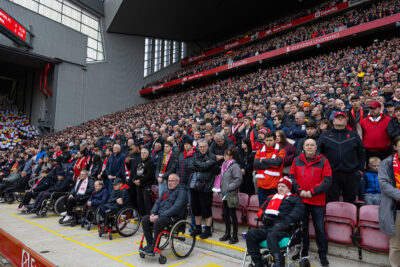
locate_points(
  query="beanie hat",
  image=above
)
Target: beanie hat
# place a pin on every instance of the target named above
(285, 180)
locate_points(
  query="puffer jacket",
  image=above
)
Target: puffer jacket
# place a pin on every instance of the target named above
(204, 164)
(231, 179)
(99, 198)
(172, 203)
(184, 160)
(370, 183)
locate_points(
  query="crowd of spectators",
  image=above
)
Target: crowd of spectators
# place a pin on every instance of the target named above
(339, 110)
(326, 26)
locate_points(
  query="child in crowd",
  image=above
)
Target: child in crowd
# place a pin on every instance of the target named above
(370, 185)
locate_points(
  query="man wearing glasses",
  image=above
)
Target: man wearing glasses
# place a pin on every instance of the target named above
(169, 208)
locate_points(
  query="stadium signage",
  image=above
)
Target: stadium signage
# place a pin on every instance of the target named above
(263, 34)
(13, 29)
(281, 51)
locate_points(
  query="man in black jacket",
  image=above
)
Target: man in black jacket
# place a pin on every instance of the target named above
(218, 148)
(346, 154)
(169, 208)
(277, 213)
(143, 178)
(115, 167)
(165, 166)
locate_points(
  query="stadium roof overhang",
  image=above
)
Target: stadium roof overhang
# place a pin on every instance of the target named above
(204, 20)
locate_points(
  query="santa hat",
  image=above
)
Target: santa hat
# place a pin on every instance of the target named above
(285, 180)
(374, 92)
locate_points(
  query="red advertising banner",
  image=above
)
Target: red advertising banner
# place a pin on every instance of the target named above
(263, 34)
(10, 24)
(278, 52)
(19, 254)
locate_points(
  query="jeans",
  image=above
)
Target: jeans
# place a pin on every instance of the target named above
(190, 205)
(108, 185)
(372, 199)
(318, 214)
(158, 226)
(162, 188)
(264, 193)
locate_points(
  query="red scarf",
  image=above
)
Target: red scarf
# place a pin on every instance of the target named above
(260, 173)
(375, 121)
(275, 203)
(127, 172)
(104, 165)
(361, 113)
(396, 170)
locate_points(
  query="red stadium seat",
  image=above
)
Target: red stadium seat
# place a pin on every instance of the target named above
(241, 210)
(340, 221)
(371, 238)
(217, 208)
(251, 211)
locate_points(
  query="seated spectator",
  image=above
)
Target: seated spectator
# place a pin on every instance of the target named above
(269, 165)
(42, 184)
(80, 193)
(8, 182)
(62, 185)
(369, 184)
(99, 196)
(276, 213)
(118, 199)
(168, 209)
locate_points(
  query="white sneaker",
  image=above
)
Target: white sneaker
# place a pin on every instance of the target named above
(67, 218)
(216, 190)
(63, 213)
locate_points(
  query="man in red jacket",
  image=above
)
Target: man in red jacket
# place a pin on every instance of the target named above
(312, 177)
(376, 140)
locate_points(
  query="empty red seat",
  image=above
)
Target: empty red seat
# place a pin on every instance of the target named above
(340, 221)
(371, 238)
(217, 208)
(251, 211)
(241, 209)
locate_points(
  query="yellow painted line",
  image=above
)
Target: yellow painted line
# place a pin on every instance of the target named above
(205, 255)
(67, 229)
(74, 241)
(106, 243)
(83, 235)
(177, 264)
(47, 217)
(130, 254)
(211, 265)
(215, 243)
(54, 223)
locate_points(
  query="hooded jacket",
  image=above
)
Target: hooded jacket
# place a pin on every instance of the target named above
(172, 203)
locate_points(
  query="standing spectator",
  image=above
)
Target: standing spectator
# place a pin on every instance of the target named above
(246, 162)
(230, 178)
(80, 163)
(289, 150)
(393, 127)
(375, 136)
(312, 178)
(356, 114)
(389, 209)
(298, 130)
(222, 143)
(165, 166)
(269, 164)
(202, 168)
(115, 167)
(370, 184)
(311, 130)
(143, 178)
(346, 154)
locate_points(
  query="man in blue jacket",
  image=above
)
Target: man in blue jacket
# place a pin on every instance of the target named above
(115, 167)
(169, 208)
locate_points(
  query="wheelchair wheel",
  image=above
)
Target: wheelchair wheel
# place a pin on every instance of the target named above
(142, 255)
(59, 205)
(164, 241)
(305, 263)
(9, 198)
(127, 221)
(182, 243)
(162, 259)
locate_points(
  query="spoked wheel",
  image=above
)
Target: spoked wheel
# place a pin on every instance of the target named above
(305, 263)
(9, 198)
(59, 205)
(127, 221)
(182, 243)
(142, 255)
(162, 259)
(164, 241)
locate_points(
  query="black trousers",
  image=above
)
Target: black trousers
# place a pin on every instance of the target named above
(256, 236)
(4, 186)
(230, 213)
(143, 195)
(345, 183)
(72, 202)
(28, 196)
(157, 227)
(317, 214)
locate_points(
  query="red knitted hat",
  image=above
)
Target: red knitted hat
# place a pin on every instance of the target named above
(286, 180)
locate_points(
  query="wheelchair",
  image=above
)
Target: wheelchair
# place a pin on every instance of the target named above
(77, 214)
(18, 196)
(177, 235)
(291, 248)
(125, 222)
(55, 203)
(90, 216)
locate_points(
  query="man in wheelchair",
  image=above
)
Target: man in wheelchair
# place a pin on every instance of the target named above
(169, 208)
(277, 213)
(118, 199)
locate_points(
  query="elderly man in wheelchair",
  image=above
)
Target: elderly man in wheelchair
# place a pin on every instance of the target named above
(279, 213)
(170, 208)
